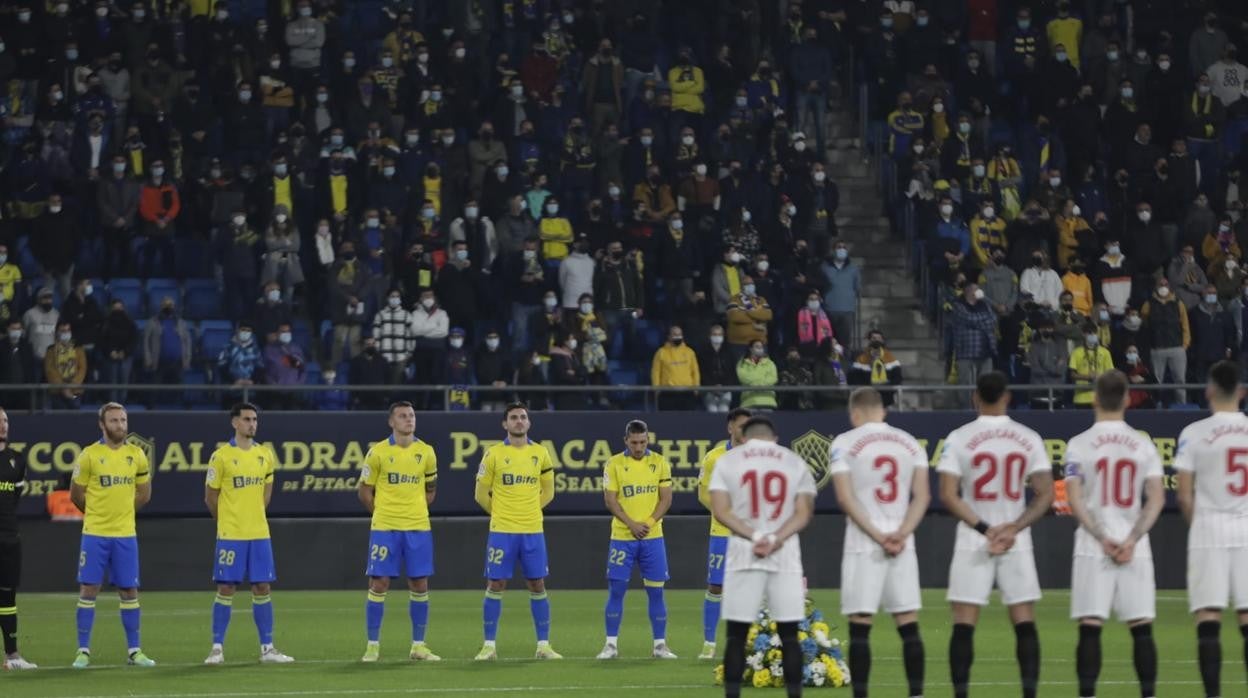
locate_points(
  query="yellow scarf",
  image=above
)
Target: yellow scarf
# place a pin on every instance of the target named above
(136, 162)
(734, 279)
(281, 192)
(433, 192)
(338, 192)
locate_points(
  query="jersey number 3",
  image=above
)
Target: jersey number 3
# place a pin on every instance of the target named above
(774, 488)
(1011, 483)
(887, 491)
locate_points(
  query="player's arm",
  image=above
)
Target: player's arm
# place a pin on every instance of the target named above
(142, 483)
(212, 485)
(268, 494)
(847, 499)
(665, 494)
(1078, 509)
(951, 497)
(803, 512)
(366, 489)
(547, 480)
(1186, 494)
(485, 476)
(1154, 501)
(721, 509)
(920, 499)
(78, 495)
(269, 478)
(1042, 488)
(78, 483)
(431, 478)
(704, 484)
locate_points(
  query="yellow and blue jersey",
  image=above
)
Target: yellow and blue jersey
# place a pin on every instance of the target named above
(636, 481)
(241, 476)
(704, 483)
(400, 476)
(110, 476)
(514, 475)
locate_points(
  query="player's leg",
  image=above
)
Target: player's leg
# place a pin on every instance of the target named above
(787, 601)
(903, 598)
(1209, 649)
(262, 574)
(860, 652)
(1209, 590)
(1239, 593)
(533, 563)
(913, 654)
(1144, 656)
(229, 570)
(93, 556)
(10, 576)
(1135, 600)
(862, 585)
(734, 657)
(1088, 656)
(971, 574)
(654, 575)
(717, 552)
(621, 557)
(1092, 587)
(418, 551)
(1020, 589)
(124, 573)
(500, 561)
(747, 589)
(384, 558)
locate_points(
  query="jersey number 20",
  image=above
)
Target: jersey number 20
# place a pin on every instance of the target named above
(1011, 483)
(774, 488)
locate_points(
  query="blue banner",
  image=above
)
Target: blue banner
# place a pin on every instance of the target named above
(320, 454)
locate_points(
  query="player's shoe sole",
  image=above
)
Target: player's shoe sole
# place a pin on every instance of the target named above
(371, 654)
(609, 651)
(421, 653)
(275, 657)
(487, 654)
(708, 651)
(215, 658)
(82, 661)
(140, 659)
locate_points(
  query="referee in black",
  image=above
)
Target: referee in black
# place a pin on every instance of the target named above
(12, 484)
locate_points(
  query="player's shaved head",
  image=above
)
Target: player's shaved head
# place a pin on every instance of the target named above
(1224, 382)
(1111, 391)
(991, 388)
(759, 428)
(865, 405)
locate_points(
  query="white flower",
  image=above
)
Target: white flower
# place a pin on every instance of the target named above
(777, 670)
(821, 639)
(775, 640)
(755, 661)
(835, 642)
(818, 669)
(817, 679)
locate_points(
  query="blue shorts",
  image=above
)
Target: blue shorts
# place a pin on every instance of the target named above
(118, 555)
(504, 550)
(238, 561)
(716, 552)
(395, 553)
(650, 555)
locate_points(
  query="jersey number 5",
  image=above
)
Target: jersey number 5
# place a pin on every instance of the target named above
(774, 488)
(887, 492)
(1237, 467)
(1011, 483)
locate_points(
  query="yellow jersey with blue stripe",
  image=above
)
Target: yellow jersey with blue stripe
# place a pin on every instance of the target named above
(400, 476)
(704, 483)
(110, 476)
(636, 481)
(241, 475)
(514, 475)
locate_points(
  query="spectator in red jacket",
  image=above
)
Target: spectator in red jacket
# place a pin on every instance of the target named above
(159, 206)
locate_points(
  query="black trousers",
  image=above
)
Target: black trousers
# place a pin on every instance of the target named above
(10, 563)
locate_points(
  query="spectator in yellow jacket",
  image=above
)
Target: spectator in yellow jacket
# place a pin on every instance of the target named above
(987, 234)
(1077, 283)
(1071, 225)
(555, 230)
(1067, 32)
(675, 365)
(1088, 361)
(687, 84)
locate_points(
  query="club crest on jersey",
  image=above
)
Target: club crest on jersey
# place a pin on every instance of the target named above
(813, 448)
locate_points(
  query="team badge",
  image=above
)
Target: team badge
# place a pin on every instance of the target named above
(813, 448)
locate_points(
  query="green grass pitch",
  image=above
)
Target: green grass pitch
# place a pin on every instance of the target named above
(324, 631)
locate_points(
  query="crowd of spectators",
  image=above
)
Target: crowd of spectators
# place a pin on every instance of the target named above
(406, 192)
(1071, 172)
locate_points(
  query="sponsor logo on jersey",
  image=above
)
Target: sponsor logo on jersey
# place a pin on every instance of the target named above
(241, 481)
(8, 486)
(509, 479)
(638, 490)
(116, 480)
(402, 479)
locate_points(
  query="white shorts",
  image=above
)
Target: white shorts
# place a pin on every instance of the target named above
(972, 573)
(1098, 585)
(1216, 576)
(871, 580)
(746, 592)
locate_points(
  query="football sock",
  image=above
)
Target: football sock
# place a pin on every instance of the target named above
(221, 608)
(912, 654)
(734, 658)
(130, 622)
(1145, 655)
(792, 658)
(961, 654)
(8, 619)
(710, 616)
(1209, 649)
(490, 611)
(262, 613)
(616, 589)
(859, 657)
(418, 610)
(658, 611)
(86, 619)
(374, 611)
(539, 606)
(1243, 631)
(1088, 659)
(1027, 650)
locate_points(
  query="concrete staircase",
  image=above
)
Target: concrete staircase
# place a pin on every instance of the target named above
(890, 298)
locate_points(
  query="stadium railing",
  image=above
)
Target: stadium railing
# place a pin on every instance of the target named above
(633, 397)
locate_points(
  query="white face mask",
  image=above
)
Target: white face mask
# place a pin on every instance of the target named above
(820, 176)
(572, 344)
(461, 255)
(280, 218)
(647, 140)
(918, 149)
(791, 210)
(15, 336)
(938, 107)
(587, 308)
(763, 265)
(1055, 182)
(55, 208)
(1092, 340)
(428, 213)
(1145, 216)
(427, 303)
(65, 337)
(457, 342)
(1114, 250)
(471, 212)
(812, 306)
(1211, 298)
(745, 216)
(717, 340)
(978, 170)
(395, 301)
(700, 170)
(1164, 65)
(759, 352)
(613, 192)
(1076, 211)
(1103, 315)
(748, 290)
(550, 303)
(1163, 292)
(946, 210)
(4, 258)
(491, 343)
(530, 254)
(502, 172)
(799, 146)
(735, 257)
(284, 338)
(274, 295)
(552, 209)
(239, 220)
(989, 212)
(244, 337)
(687, 140)
(448, 140)
(678, 224)
(537, 360)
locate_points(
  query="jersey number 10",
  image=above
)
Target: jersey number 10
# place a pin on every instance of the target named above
(774, 488)
(1117, 483)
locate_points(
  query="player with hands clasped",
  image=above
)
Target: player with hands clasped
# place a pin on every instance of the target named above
(881, 479)
(1110, 469)
(717, 547)
(983, 473)
(12, 485)
(765, 495)
(637, 488)
(1212, 463)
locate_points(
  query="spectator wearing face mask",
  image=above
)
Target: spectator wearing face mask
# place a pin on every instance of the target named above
(1227, 277)
(1087, 362)
(17, 362)
(284, 364)
(841, 286)
(1130, 334)
(1076, 282)
(166, 345)
(493, 368)
(457, 370)
(65, 363)
(675, 365)
(831, 370)
(576, 274)
(525, 277)
(237, 245)
(1187, 279)
(369, 367)
(281, 257)
(973, 328)
(459, 287)
(717, 367)
(756, 370)
(726, 280)
(591, 333)
(817, 199)
(1114, 276)
(1074, 235)
(1167, 328)
(1214, 337)
(392, 329)
(1218, 245)
(53, 242)
(1041, 281)
(698, 193)
(349, 282)
(82, 311)
(1048, 357)
(515, 227)
(749, 316)
(987, 234)
(814, 328)
(566, 369)
(118, 340)
(484, 152)
(555, 230)
(1136, 369)
(545, 325)
(876, 366)
(793, 373)
(619, 291)
(430, 327)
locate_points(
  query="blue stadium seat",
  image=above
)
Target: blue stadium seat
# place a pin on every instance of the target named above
(213, 336)
(129, 292)
(158, 289)
(302, 335)
(203, 300)
(195, 376)
(312, 372)
(99, 293)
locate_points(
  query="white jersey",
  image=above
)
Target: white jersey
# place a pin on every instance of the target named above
(882, 462)
(994, 456)
(763, 480)
(1216, 451)
(1112, 462)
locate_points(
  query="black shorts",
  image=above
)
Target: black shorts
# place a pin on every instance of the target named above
(10, 563)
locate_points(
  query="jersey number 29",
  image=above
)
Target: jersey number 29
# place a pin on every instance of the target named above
(774, 488)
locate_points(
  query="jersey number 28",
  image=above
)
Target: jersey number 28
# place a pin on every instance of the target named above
(773, 490)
